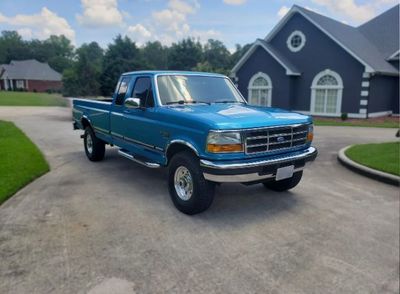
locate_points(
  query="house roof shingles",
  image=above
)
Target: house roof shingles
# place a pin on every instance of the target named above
(363, 41)
(30, 70)
(383, 31)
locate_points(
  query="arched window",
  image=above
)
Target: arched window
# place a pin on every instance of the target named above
(326, 93)
(260, 89)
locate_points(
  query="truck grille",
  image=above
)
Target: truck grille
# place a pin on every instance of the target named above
(272, 139)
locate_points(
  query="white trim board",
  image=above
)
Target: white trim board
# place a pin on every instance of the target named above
(253, 48)
(295, 9)
(353, 115)
(350, 115)
(394, 55)
(381, 113)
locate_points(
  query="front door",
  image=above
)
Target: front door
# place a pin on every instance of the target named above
(141, 127)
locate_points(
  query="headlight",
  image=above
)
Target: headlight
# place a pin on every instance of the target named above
(310, 134)
(224, 142)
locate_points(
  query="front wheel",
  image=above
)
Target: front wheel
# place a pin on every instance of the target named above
(286, 184)
(189, 191)
(94, 147)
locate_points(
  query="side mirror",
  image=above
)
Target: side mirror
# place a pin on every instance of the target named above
(132, 103)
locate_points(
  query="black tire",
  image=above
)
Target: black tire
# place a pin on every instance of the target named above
(202, 190)
(286, 184)
(98, 147)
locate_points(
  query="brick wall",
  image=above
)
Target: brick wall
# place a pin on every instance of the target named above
(42, 86)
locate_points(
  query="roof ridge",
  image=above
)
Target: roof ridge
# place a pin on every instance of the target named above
(307, 10)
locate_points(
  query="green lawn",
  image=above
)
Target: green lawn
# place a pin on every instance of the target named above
(373, 123)
(20, 160)
(8, 98)
(384, 156)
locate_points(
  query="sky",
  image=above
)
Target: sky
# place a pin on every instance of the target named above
(168, 21)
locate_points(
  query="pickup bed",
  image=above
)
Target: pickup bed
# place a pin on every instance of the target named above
(200, 127)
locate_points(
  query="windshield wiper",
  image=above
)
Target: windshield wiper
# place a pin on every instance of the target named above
(205, 102)
(187, 102)
(176, 102)
(227, 101)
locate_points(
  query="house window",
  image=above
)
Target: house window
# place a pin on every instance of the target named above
(19, 84)
(260, 89)
(296, 41)
(326, 93)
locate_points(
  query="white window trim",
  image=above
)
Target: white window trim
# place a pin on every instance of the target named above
(315, 87)
(269, 87)
(19, 84)
(289, 43)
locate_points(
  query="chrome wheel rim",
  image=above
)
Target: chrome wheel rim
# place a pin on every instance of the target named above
(183, 183)
(89, 143)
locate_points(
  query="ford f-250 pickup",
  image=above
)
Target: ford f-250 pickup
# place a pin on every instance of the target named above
(201, 128)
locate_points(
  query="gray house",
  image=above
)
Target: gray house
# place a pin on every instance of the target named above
(316, 65)
(29, 75)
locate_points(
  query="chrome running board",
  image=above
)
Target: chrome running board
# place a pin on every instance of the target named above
(128, 155)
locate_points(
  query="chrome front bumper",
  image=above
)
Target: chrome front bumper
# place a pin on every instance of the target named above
(255, 170)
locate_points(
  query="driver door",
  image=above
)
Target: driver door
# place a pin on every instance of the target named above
(141, 127)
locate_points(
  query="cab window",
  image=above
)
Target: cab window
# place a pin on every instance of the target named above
(123, 87)
(144, 91)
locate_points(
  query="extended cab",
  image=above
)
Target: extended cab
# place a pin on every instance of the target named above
(200, 127)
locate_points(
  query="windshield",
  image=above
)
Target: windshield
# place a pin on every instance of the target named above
(181, 89)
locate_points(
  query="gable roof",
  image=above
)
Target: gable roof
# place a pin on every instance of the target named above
(291, 70)
(30, 69)
(351, 39)
(383, 31)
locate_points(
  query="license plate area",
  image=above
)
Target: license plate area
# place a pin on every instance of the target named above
(284, 172)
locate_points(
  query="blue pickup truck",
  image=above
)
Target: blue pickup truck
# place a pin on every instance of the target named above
(200, 127)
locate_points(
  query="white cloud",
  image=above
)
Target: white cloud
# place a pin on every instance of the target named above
(25, 33)
(100, 13)
(354, 11)
(170, 24)
(40, 25)
(235, 2)
(183, 7)
(139, 33)
(140, 30)
(282, 11)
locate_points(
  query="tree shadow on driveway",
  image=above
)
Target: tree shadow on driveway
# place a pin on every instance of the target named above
(234, 204)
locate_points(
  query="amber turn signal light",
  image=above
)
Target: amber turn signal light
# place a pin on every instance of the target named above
(310, 136)
(216, 148)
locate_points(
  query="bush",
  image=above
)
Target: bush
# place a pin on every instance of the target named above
(344, 116)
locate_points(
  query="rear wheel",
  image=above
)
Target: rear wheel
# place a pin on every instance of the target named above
(94, 147)
(286, 184)
(188, 189)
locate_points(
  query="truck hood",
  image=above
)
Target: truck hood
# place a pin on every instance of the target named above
(238, 116)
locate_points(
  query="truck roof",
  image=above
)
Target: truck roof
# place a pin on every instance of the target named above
(172, 72)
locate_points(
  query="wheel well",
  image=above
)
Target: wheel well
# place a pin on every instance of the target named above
(85, 123)
(176, 148)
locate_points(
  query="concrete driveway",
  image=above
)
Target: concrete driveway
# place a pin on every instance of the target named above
(110, 227)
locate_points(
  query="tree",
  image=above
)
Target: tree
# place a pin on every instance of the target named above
(239, 52)
(121, 56)
(155, 55)
(185, 54)
(217, 56)
(12, 47)
(61, 52)
(83, 78)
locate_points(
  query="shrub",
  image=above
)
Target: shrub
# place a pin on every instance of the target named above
(344, 116)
